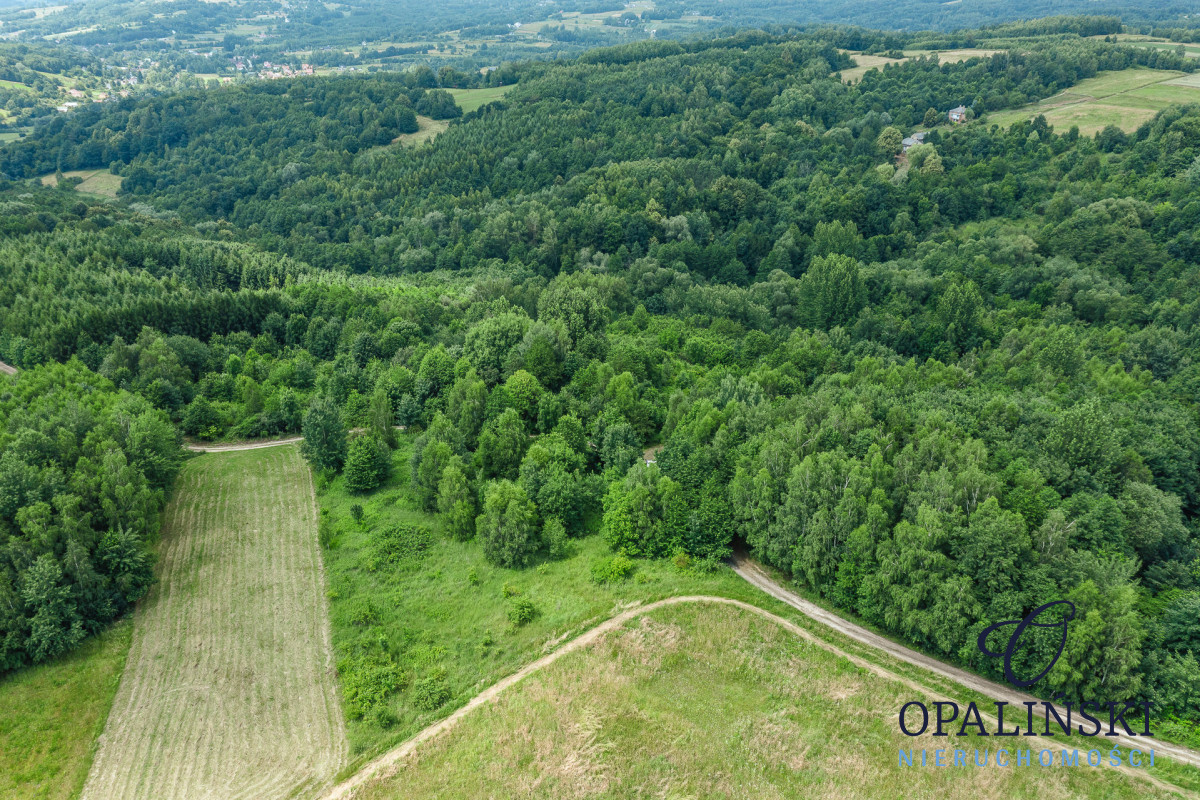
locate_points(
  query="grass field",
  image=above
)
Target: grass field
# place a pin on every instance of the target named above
(866, 63)
(229, 686)
(708, 701)
(98, 182)
(427, 129)
(50, 716)
(1125, 98)
(471, 99)
(443, 616)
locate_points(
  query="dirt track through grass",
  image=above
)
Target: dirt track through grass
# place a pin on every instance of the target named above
(229, 689)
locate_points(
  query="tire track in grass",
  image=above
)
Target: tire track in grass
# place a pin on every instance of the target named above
(386, 765)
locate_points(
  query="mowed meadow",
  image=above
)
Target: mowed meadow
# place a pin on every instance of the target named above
(1123, 98)
(699, 700)
(229, 686)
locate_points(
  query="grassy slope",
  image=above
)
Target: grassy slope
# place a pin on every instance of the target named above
(1125, 98)
(97, 182)
(704, 702)
(51, 714)
(471, 99)
(436, 621)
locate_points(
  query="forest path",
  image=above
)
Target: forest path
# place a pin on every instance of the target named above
(230, 448)
(382, 766)
(386, 765)
(6, 369)
(257, 445)
(754, 574)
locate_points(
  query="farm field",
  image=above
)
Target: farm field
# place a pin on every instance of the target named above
(706, 700)
(95, 181)
(51, 714)
(1125, 98)
(228, 689)
(471, 99)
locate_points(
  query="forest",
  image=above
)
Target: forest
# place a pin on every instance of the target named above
(683, 296)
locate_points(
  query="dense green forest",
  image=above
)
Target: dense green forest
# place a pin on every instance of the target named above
(937, 388)
(126, 25)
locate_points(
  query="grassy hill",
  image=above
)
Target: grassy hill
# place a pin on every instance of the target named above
(707, 701)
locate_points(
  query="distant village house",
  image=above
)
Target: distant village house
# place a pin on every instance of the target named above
(958, 114)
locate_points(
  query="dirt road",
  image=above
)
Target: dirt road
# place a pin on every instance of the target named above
(753, 573)
(230, 448)
(6, 369)
(256, 445)
(381, 766)
(386, 764)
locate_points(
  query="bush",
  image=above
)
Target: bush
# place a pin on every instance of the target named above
(554, 534)
(356, 511)
(399, 545)
(367, 680)
(612, 570)
(431, 692)
(368, 464)
(363, 613)
(521, 611)
(326, 534)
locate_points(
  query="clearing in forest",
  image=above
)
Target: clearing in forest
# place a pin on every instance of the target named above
(707, 700)
(229, 687)
(866, 63)
(472, 99)
(427, 129)
(95, 181)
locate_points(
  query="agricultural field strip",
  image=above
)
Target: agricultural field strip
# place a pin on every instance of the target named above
(193, 715)
(1071, 97)
(384, 765)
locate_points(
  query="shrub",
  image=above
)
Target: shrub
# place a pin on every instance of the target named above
(431, 692)
(521, 611)
(611, 570)
(326, 534)
(397, 546)
(473, 576)
(363, 613)
(681, 560)
(356, 511)
(367, 680)
(509, 591)
(554, 534)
